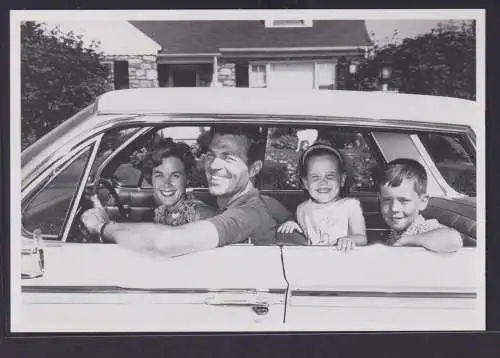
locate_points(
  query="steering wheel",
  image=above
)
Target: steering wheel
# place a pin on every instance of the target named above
(87, 204)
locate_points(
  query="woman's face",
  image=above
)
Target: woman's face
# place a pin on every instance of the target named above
(169, 181)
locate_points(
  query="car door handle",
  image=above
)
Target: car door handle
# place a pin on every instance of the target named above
(257, 304)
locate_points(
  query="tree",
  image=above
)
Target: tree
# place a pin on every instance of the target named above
(441, 62)
(59, 77)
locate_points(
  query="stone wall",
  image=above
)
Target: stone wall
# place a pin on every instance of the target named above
(227, 74)
(142, 70)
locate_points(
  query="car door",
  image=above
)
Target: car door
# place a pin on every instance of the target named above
(100, 287)
(377, 287)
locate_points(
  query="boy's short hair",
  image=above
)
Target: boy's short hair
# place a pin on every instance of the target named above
(256, 140)
(397, 170)
(316, 150)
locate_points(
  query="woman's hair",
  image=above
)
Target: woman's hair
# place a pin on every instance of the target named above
(317, 150)
(180, 150)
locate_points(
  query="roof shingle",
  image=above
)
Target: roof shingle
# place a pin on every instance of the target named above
(189, 37)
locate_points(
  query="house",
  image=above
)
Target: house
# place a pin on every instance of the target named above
(281, 53)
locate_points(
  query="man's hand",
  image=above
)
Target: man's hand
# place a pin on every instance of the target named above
(93, 219)
(289, 227)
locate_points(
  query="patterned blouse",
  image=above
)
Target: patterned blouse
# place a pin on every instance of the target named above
(185, 211)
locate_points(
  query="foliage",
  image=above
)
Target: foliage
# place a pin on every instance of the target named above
(441, 62)
(59, 77)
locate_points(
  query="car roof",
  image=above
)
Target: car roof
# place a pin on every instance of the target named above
(370, 105)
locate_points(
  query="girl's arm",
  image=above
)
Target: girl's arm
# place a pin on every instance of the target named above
(357, 227)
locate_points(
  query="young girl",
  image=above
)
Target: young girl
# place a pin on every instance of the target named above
(327, 218)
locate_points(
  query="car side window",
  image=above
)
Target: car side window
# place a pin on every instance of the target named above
(126, 169)
(109, 143)
(48, 208)
(285, 145)
(453, 161)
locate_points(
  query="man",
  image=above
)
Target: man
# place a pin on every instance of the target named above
(231, 165)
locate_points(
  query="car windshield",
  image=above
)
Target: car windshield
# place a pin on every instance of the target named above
(59, 132)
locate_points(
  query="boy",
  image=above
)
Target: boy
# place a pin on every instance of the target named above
(403, 195)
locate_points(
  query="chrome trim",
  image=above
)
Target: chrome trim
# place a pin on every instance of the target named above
(81, 188)
(401, 294)
(51, 173)
(443, 184)
(377, 143)
(118, 150)
(124, 290)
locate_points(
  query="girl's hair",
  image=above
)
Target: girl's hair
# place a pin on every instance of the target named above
(317, 150)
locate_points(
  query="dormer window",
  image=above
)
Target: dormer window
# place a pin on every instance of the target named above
(288, 23)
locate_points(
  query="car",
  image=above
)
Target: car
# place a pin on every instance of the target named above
(87, 285)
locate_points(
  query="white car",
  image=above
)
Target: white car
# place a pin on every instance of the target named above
(91, 286)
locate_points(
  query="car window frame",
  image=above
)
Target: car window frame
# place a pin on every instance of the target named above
(92, 145)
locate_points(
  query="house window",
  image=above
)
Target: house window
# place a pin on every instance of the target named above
(288, 23)
(299, 74)
(121, 74)
(258, 75)
(325, 76)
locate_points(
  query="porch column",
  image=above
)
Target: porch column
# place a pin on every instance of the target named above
(215, 73)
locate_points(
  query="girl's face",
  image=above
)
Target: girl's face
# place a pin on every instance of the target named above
(323, 179)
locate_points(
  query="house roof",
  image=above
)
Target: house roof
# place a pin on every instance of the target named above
(197, 37)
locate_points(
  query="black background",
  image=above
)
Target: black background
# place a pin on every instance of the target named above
(405, 345)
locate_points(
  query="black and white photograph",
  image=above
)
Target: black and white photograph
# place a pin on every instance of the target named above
(247, 171)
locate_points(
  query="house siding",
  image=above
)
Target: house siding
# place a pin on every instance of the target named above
(226, 74)
(142, 70)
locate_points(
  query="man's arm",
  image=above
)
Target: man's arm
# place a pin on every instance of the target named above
(442, 239)
(150, 237)
(162, 239)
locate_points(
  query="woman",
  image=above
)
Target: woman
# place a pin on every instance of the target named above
(171, 169)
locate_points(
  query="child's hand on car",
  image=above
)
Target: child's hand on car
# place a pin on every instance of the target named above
(289, 227)
(345, 244)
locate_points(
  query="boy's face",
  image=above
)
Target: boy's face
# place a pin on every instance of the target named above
(323, 180)
(401, 205)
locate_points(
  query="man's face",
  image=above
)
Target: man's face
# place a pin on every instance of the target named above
(401, 205)
(169, 181)
(226, 165)
(323, 180)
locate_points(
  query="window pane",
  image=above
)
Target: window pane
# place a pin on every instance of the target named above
(258, 76)
(121, 74)
(49, 207)
(109, 143)
(292, 75)
(452, 160)
(285, 145)
(326, 76)
(130, 169)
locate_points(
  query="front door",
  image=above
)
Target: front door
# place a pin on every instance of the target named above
(102, 287)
